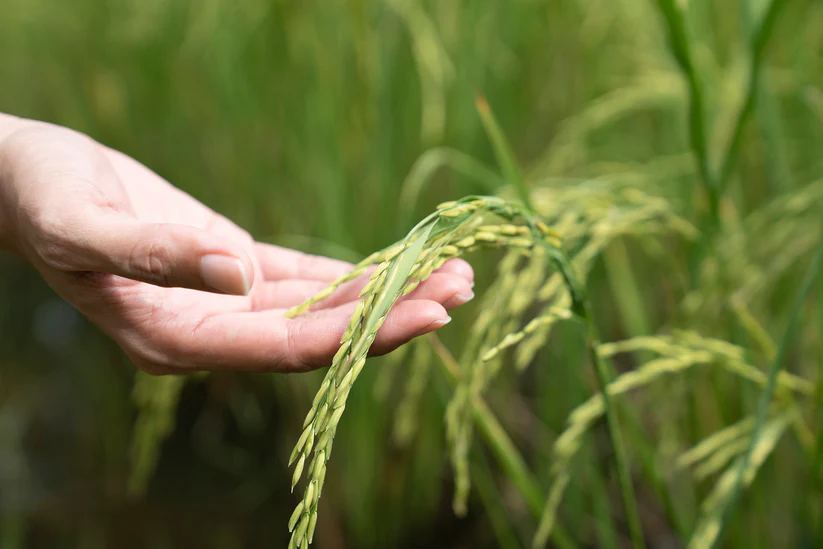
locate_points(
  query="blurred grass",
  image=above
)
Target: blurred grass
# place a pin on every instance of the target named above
(301, 121)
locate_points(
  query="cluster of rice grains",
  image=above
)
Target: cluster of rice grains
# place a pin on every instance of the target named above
(536, 286)
(455, 228)
(590, 216)
(534, 272)
(671, 355)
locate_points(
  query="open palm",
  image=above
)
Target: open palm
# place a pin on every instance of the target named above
(178, 286)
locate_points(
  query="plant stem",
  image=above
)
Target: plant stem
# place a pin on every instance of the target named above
(502, 446)
(492, 500)
(715, 183)
(503, 152)
(768, 391)
(817, 463)
(698, 136)
(758, 46)
(621, 459)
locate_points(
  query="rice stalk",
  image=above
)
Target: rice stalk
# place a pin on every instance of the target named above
(750, 458)
(604, 374)
(600, 223)
(497, 315)
(427, 165)
(459, 421)
(720, 459)
(544, 321)
(714, 442)
(732, 358)
(546, 526)
(757, 49)
(437, 238)
(708, 531)
(433, 65)
(757, 253)
(503, 152)
(156, 400)
(698, 126)
(405, 421)
(679, 354)
(492, 500)
(389, 372)
(650, 91)
(385, 286)
(510, 459)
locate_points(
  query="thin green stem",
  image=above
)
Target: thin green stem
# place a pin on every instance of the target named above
(758, 47)
(428, 164)
(503, 152)
(648, 462)
(698, 135)
(502, 446)
(771, 383)
(492, 501)
(715, 183)
(817, 463)
(818, 454)
(621, 459)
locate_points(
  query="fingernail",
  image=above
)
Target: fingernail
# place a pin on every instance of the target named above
(224, 274)
(437, 324)
(464, 298)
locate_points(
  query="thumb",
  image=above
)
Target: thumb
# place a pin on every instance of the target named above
(164, 254)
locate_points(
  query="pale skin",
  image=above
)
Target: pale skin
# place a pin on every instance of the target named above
(179, 287)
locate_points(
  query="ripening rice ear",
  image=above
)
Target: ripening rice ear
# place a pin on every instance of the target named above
(453, 229)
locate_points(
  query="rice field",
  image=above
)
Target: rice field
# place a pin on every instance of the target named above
(638, 184)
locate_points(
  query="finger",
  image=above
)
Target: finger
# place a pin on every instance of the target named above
(441, 287)
(459, 267)
(449, 290)
(447, 282)
(407, 320)
(284, 294)
(283, 263)
(163, 254)
(267, 342)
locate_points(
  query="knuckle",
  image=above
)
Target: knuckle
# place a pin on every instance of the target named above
(152, 259)
(174, 350)
(294, 359)
(448, 285)
(50, 239)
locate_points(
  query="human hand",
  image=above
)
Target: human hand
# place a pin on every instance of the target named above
(177, 286)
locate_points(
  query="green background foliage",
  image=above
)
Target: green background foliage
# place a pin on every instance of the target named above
(332, 127)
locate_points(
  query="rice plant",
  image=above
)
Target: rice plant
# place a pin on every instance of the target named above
(464, 226)
(455, 228)
(672, 148)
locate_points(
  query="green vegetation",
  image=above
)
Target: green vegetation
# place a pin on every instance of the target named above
(643, 365)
